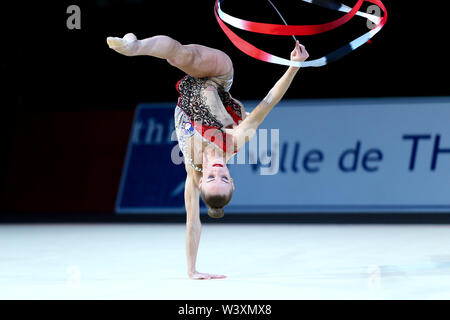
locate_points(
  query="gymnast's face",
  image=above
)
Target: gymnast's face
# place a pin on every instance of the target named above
(216, 179)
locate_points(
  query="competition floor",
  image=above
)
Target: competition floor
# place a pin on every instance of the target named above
(262, 261)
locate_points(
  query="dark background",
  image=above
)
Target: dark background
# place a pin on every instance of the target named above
(68, 100)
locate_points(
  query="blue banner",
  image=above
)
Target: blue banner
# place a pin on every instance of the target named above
(342, 155)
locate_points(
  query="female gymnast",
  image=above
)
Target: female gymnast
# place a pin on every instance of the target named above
(210, 125)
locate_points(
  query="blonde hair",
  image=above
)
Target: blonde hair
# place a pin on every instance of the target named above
(216, 203)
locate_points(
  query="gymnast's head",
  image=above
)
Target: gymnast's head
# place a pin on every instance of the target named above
(216, 186)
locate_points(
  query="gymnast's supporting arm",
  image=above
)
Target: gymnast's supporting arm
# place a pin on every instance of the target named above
(247, 128)
(193, 225)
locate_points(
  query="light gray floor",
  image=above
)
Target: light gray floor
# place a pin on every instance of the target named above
(147, 261)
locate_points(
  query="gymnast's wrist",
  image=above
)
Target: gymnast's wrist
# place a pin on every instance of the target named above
(293, 70)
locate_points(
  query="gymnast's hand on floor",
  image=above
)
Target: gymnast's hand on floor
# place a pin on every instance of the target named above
(205, 276)
(299, 53)
(128, 45)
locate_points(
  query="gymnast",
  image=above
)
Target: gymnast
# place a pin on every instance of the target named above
(210, 124)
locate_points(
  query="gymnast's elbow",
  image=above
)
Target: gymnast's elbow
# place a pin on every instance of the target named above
(243, 134)
(193, 226)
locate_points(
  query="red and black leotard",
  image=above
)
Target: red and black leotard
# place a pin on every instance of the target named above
(197, 112)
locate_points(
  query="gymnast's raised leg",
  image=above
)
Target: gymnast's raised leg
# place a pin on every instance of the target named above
(193, 59)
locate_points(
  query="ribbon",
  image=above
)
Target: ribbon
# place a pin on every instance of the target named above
(301, 30)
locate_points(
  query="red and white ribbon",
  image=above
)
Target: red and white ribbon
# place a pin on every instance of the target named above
(301, 30)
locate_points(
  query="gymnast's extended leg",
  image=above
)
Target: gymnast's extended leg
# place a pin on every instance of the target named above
(196, 60)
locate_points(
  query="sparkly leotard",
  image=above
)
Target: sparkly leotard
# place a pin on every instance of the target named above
(196, 114)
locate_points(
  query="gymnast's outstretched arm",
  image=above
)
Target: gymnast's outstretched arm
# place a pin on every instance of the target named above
(247, 128)
(193, 224)
(196, 60)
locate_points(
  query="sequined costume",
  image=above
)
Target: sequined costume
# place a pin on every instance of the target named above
(197, 114)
